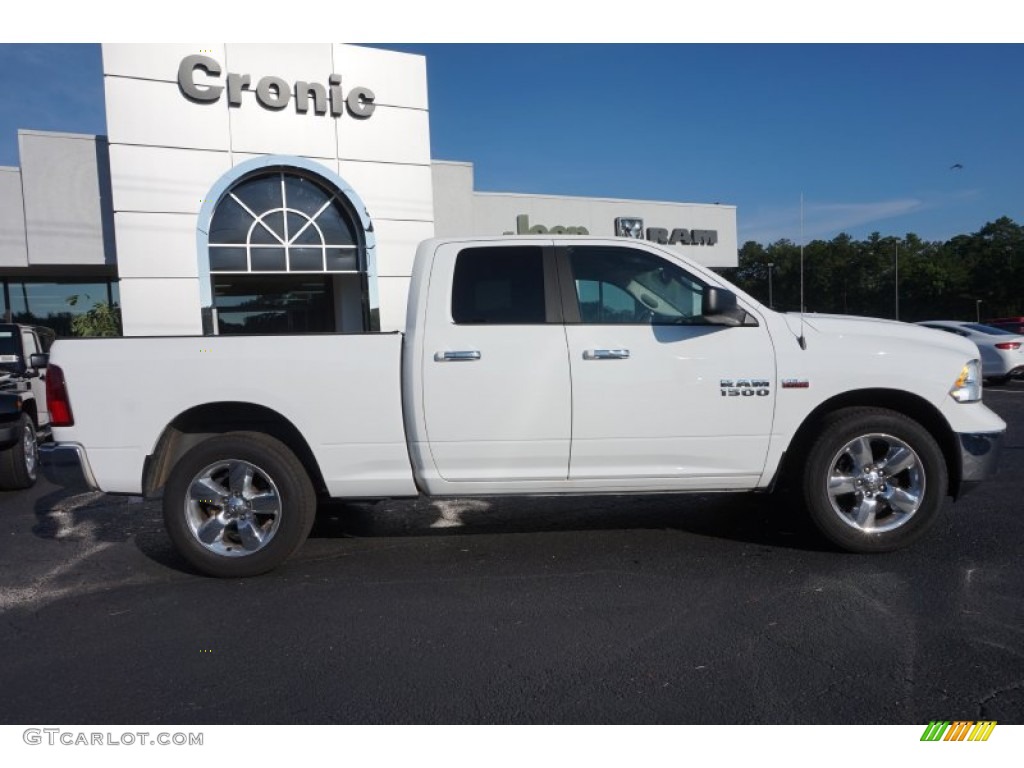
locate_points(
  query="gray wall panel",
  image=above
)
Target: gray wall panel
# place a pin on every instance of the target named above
(66, 186)
(13, 251)
(453, 199)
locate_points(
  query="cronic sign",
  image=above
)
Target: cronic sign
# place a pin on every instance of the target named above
(199, 78)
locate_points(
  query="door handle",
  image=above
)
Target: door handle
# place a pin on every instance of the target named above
(457, 356)
(606, 354)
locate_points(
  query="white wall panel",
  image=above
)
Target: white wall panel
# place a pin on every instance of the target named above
(396, 79)
(391, 190)
(154, 61)
(156, 244)
(160, 307)
(394, 295)
(280, 132)
(391, 135)
(396, 245)
(163, 180)
(144, 112)
(291, 62)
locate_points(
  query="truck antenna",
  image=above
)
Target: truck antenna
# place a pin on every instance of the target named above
(801, 340)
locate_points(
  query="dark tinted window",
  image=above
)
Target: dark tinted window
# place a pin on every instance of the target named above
(499, 285)
(55, 305)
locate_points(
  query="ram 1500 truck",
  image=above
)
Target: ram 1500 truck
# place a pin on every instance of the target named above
(531, 365)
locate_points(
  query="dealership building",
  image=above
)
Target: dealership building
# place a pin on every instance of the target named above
(268, 189)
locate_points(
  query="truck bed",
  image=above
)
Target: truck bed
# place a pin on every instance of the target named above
(343, 392)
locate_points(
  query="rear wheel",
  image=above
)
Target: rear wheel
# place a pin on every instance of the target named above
(19, 464)
(875, 480)
(238, 504)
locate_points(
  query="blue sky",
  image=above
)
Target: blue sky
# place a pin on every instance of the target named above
(866, 133)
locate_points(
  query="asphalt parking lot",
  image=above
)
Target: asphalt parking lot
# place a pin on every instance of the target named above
(665, 609)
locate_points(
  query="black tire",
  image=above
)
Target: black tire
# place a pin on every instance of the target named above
(863, 474)
(19, 464)
(248, 495)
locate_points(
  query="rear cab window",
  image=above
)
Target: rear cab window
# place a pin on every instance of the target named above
(499, 286)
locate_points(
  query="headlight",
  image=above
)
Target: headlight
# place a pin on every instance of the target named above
(967, 387)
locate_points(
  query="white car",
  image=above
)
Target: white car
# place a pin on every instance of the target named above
(1002, 352)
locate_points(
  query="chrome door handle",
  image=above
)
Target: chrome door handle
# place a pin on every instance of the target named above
(606, 354)
(464, 355)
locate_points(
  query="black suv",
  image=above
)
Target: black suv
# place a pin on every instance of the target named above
(24, 419)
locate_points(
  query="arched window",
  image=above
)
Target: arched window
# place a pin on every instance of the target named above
(280, 221)
(287, 253)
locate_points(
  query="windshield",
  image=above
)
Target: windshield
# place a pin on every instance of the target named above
(8, 346)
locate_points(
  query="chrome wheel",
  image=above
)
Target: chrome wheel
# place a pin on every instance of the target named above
(233, 508)
(876, 483)
(31, 450)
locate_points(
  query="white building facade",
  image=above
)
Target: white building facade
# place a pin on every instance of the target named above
(270, 189)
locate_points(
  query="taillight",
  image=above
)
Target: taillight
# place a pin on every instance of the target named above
(1008, 345)
(57, 402)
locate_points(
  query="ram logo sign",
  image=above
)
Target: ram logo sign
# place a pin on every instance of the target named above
(629, 226)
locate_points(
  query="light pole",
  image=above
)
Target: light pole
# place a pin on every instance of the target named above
(771, 303)
(977, 310)
(897, 281)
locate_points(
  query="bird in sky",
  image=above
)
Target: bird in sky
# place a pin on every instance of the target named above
(956, 167)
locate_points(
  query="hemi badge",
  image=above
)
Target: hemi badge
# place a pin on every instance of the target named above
(795, 384)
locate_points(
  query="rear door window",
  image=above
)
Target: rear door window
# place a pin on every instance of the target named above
(499, 286)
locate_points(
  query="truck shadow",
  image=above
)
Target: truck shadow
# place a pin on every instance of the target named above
(749, 518)
(84, 516)
(80, 516)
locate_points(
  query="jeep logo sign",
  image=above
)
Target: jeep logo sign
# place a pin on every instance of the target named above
(271, 92)
(523, 227)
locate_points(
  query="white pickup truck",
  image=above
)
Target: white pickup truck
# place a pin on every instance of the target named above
(530, 365)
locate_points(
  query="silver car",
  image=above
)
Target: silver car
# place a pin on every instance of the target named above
(1002, 352)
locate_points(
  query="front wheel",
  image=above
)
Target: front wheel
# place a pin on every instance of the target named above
(238, 504)
(19, 464)
(874, 481)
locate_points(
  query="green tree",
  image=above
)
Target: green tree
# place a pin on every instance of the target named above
(102, 319)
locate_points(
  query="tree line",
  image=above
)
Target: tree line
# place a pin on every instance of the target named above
(959, 279)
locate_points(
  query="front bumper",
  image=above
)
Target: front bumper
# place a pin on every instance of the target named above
(979, 457)
(66, 464)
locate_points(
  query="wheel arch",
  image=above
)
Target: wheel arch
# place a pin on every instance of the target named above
(30, 407)
(906, 403)
(191, 427)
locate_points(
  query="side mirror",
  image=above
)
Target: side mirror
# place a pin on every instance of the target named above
(720, 307)
(38, 360)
